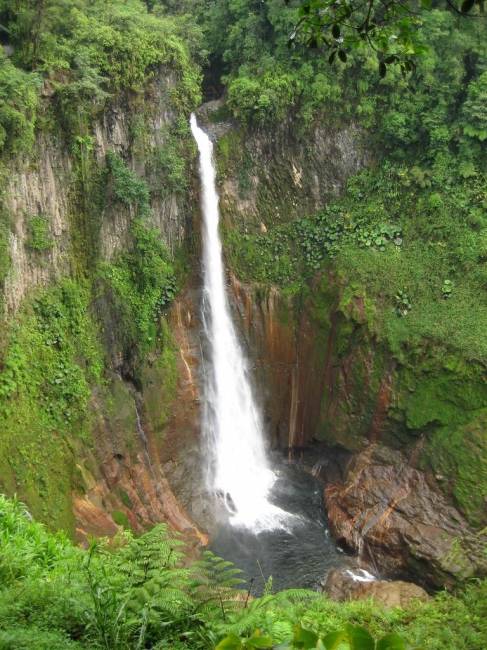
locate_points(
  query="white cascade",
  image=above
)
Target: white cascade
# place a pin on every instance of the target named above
(238, 469)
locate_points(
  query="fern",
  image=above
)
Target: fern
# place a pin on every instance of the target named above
(144, 558)
(214, 587)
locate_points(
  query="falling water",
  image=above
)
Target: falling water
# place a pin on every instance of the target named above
(239, 472)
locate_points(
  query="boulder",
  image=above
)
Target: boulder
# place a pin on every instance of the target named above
(345, 584)
(385, 510)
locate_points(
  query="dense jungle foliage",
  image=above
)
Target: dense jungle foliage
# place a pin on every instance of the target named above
(141, 593)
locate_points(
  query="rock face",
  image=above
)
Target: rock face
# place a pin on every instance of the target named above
(116, 474)
(289, 362)
(322, 374)
(280, 176)
(44, 185)
(385, 510)
(340, 585)
(147, 465)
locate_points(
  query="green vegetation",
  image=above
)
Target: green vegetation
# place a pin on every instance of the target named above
(51, 357)
(54, 383)
(415, 256)
(247, 41)
(168, 164)
(142, 279)
(141, 593)
(401, 257)
(143, 283)
(4, 251)
(85, 53)
(406, 240)
(18, 105)
(372, 234)
(159, 379)
(38, 238)
(126, 187)
(391, 30)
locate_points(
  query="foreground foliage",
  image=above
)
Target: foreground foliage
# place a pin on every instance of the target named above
(141, 593)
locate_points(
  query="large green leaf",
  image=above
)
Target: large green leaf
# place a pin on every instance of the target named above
(258, 640)
(353, 637)
(391, 642)
(359, 638)
(304, 638)
(334, 640)
(230, 642)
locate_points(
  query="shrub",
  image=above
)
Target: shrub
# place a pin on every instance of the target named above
(39, 238)
(18, 107)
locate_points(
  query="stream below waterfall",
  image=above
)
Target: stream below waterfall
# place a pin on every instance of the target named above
(299, 556)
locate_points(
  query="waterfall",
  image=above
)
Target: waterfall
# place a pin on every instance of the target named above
(238, 469)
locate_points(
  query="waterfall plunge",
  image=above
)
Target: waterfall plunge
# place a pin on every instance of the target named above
(238, 470)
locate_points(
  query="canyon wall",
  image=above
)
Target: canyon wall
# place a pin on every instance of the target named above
(324, 372)
(104, 468)
(327, 374)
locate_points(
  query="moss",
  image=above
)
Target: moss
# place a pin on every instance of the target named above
(159, 382)
(125, 499)
(141, 282)
(125, 186)
(4, 250)
(39, 238)
(120, 518)
(168, 165)
(51, 358)
(229, 150)
(437, 389)
(349, 398)
(266, 258)
(89, 196)
(122, 415)
(458, 456)
(5, 220)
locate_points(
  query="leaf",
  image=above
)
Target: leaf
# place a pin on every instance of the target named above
(331, 58)
(335, 30)
(391, 642)
(342, 55)
(231, 642)
(382, 69)
(359, 638)
(467, 6)
(259, 642)
(304, 638)
(333, 640)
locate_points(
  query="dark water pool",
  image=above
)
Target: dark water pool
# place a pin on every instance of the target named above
(298, 558)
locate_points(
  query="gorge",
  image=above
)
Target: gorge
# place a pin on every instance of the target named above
(243, 301)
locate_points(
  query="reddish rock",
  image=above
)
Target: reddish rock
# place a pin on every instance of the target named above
(340, 585)
(385, 510)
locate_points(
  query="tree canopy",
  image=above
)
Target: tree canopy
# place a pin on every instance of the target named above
(393, 29)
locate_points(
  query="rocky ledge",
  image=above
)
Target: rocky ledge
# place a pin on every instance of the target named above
(344, 584)
(386, 511)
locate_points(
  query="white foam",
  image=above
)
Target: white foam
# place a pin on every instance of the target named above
(360, 575)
